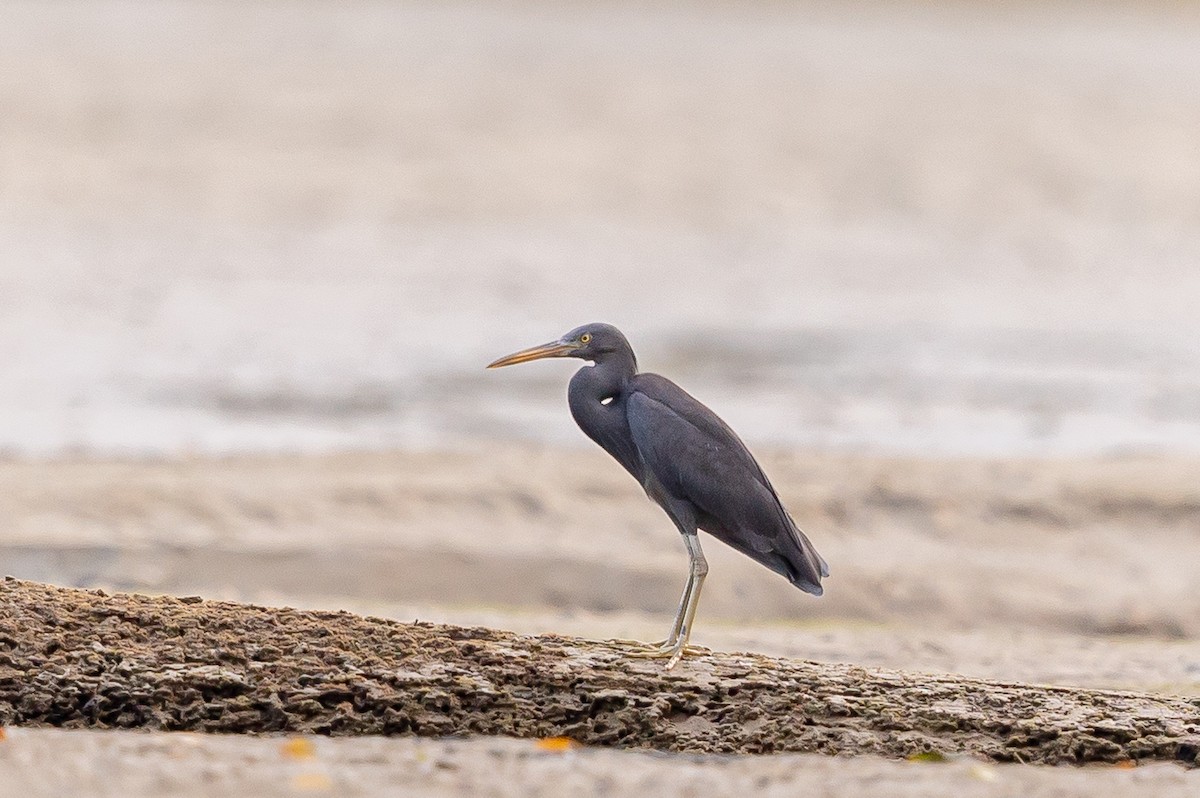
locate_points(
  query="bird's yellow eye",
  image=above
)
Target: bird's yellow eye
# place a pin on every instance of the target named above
(585, 338)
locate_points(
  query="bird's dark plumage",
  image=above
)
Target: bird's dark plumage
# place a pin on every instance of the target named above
(699, 459)
(687, 459)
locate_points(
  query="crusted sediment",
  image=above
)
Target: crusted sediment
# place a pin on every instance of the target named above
(75, 658)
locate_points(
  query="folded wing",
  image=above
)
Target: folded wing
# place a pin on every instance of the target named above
(696, 457)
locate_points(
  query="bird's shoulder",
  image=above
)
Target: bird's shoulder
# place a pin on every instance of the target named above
(660, 413)
(655, 393)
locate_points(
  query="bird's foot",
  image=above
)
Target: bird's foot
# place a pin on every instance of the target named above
(671, 651)
(639, 645)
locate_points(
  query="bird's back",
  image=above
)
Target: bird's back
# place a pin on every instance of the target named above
(695, 456)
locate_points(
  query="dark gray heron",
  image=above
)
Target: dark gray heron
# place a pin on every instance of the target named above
(687, 460)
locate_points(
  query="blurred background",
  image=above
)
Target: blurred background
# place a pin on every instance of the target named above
(938, 262)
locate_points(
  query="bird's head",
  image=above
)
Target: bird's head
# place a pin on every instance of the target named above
(589, 342)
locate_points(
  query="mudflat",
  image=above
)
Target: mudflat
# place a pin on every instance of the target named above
(87, 659)
(984, 572)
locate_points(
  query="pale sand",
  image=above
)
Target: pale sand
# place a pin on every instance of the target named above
(53, 762)
(1102, 546)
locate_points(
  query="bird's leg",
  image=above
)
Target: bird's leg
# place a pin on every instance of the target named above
(673, 647)
(652, 649)
(699, 567)
(677, 626)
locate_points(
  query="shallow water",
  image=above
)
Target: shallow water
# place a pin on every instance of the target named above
(308, 226)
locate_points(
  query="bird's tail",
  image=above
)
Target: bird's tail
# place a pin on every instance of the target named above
(805, 566)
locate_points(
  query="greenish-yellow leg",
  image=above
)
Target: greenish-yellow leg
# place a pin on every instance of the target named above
(673, 648)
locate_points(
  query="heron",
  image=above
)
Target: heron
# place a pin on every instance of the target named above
(687, 460)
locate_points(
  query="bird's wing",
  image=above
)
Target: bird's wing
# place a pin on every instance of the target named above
(694, 414)
(695, 456)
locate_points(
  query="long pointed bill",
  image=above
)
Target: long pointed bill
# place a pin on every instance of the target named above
(553, 349)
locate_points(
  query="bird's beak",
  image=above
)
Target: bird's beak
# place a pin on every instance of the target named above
(552, 349)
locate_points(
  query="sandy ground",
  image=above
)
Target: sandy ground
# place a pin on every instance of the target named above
(186, 765)
(88, 659)
(955, 544)
(985, 568)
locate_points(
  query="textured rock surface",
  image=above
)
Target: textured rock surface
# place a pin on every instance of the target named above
(77, 659)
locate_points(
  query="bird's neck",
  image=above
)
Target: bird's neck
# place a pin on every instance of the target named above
(597, 401)
(610, 374)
